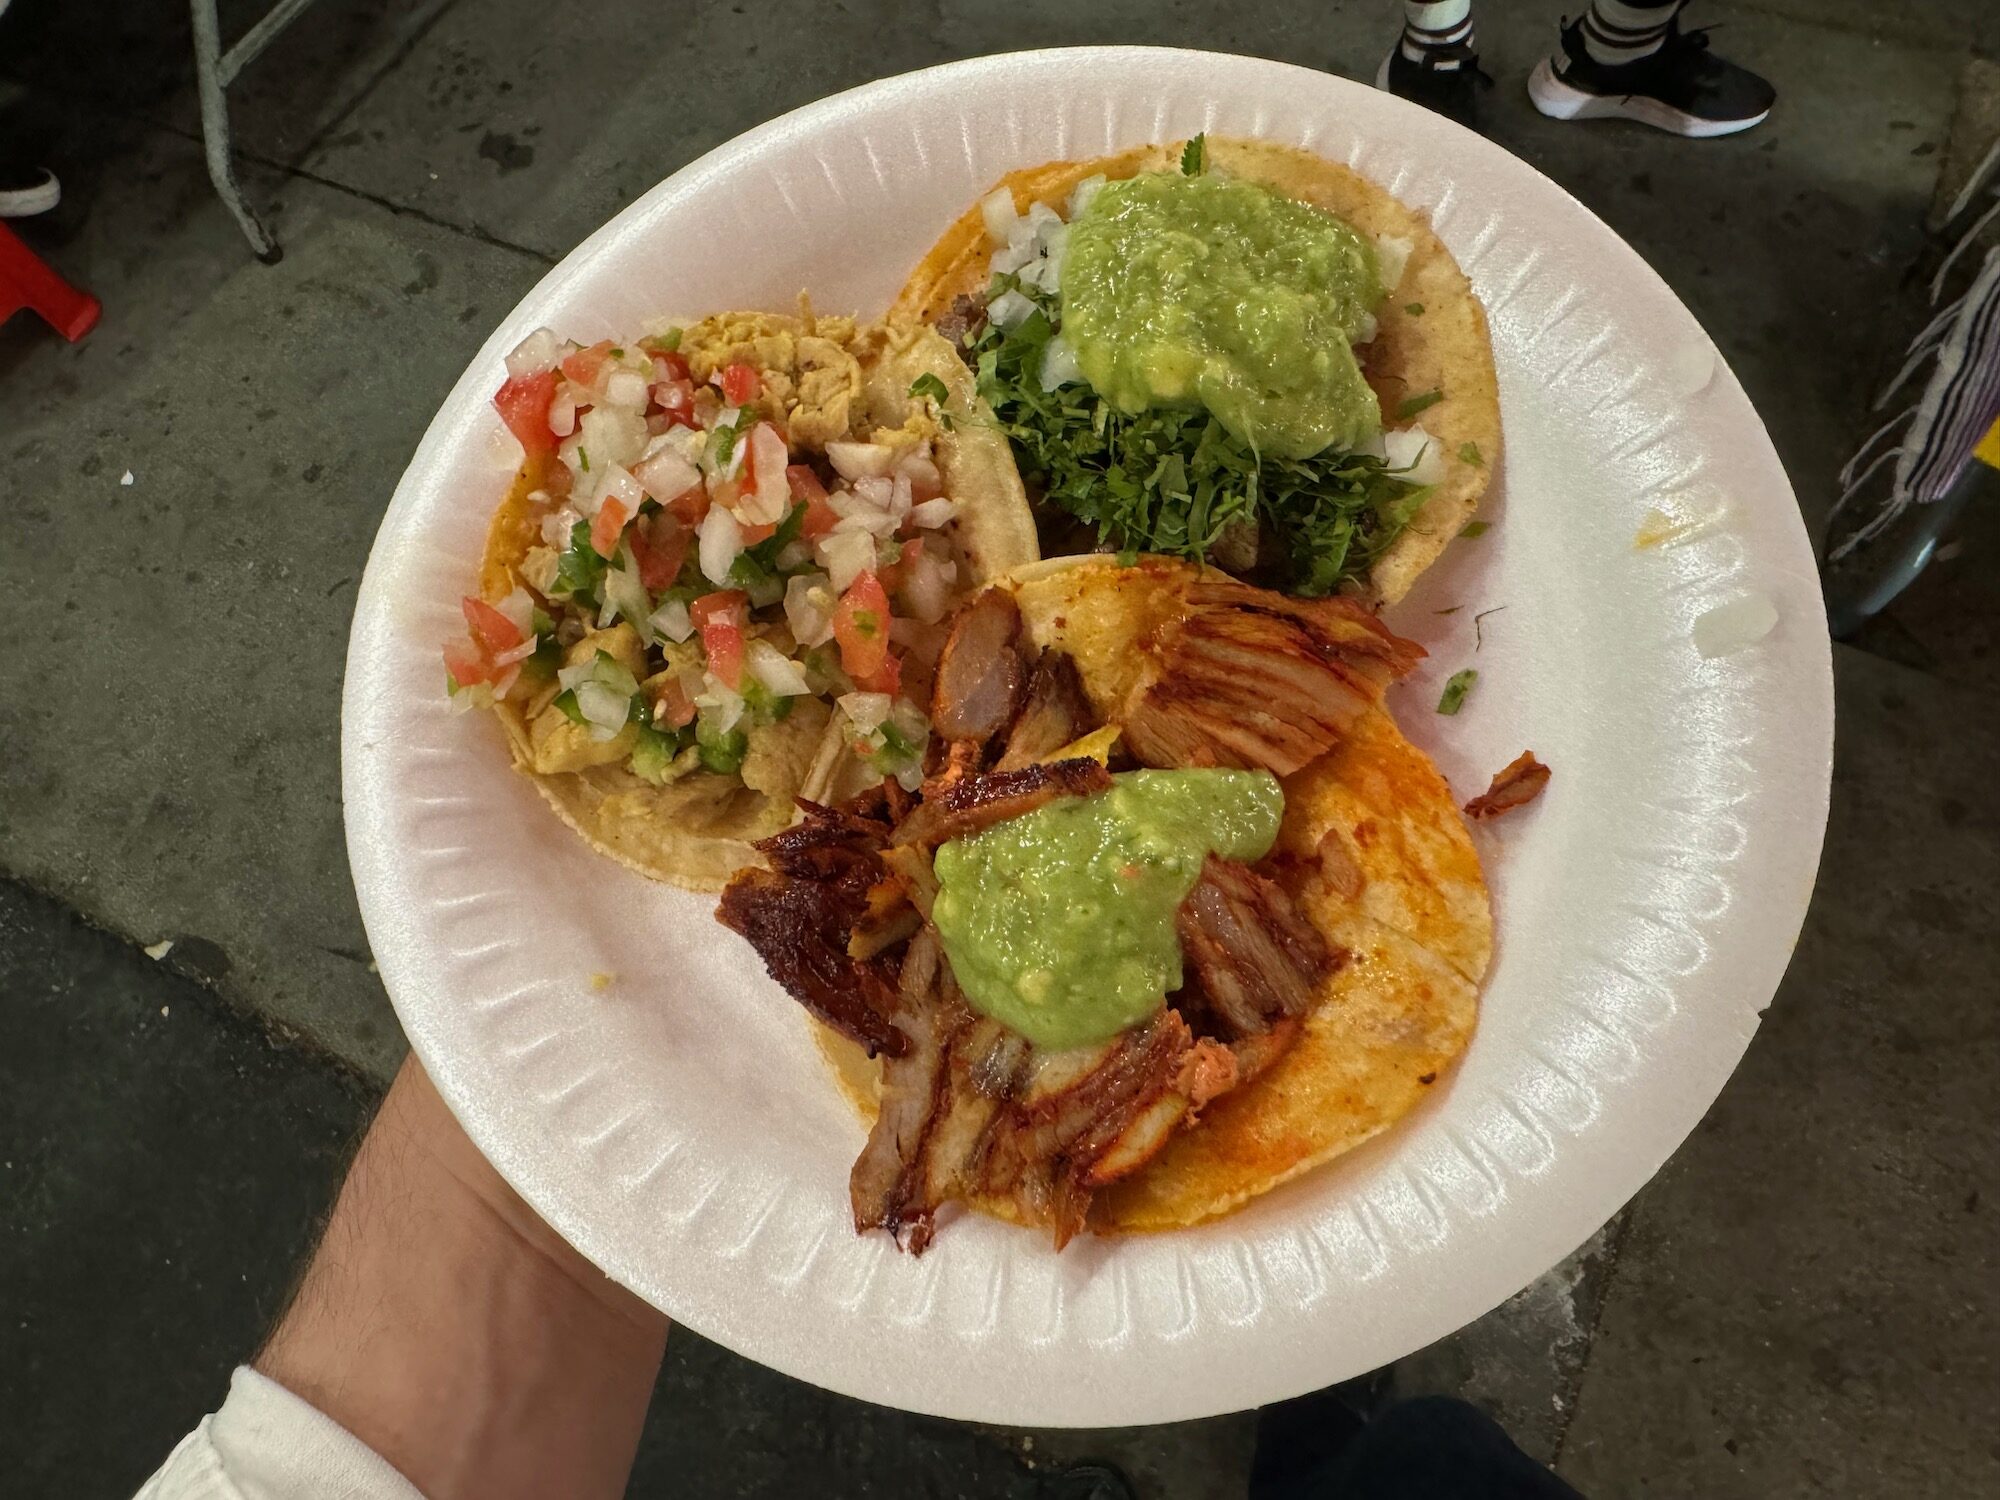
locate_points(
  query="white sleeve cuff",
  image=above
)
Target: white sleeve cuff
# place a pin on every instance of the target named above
(267, 1444)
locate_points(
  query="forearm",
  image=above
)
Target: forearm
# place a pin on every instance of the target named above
(446, 1326)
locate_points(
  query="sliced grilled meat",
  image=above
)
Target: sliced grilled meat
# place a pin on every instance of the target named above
(886, 1186)
(975, 802)
(1516, 784)
(799, 915)
(1055, 713)
(1253, 679)
(982, 671)
(1257, 959)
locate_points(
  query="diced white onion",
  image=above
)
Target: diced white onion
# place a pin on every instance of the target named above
(625, 595)
(667, 474)
(865, 711)
(928, 586)
(772, 497)
(1365, 334)
(867, 519)
(793, 555)
(809, 603)
(846, 555)
(878, 493)
(860, 460)
(1083, 192)
(774, 669)
(603, 708)
(576, 676)
(1392, 254)
(672, 621)
(720, 706)
(613, 435)
(918, 467)
(899, 496)
(720, 545)
(933, 513)
(1415, 450)
(562, 410)
(1059, 366)
(616, 482)
(519, 608)
(517, 653)
(997, 209)
(537, 352)
(1742, 621)
(626, 388)
(556, 527)
(1009, 308)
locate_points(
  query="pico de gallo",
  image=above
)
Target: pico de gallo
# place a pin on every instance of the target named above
(708, 554)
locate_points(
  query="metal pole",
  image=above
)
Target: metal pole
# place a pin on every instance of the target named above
(210, 74)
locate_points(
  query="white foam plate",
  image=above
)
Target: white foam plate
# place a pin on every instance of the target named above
(678, 1125)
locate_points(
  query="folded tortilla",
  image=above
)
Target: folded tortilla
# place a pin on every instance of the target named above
(1431, 333)
(835, 379)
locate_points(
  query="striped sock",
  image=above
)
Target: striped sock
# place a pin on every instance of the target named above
(1434, 26)
(1623, 31)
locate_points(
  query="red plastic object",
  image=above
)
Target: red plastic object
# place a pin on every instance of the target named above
(26, 281)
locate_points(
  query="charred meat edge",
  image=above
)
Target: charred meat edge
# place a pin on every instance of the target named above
(982, 669)
(1257, 959)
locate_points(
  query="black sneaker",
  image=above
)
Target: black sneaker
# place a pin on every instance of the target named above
(1683, 87)
(1448, 80)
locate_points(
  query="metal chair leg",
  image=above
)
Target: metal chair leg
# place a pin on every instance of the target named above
(208, 62)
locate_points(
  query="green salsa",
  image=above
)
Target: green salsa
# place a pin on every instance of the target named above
(1060, 923)
(1206, 291)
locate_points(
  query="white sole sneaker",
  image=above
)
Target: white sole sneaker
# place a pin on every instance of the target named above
(25, 203)
(1565, 101)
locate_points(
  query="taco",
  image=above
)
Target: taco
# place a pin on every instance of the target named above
(720, 577)
(1178, 915)
(1228, 350)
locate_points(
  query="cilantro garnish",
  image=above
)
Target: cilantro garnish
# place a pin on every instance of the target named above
(1409, 408)
(1194, 156)
(1455, 689)
(929, 385)
(583, 454)
(579, 570)
(1473, 529)
(726, 438)
(1173, 481)
(1468, 453)
(1414, 309)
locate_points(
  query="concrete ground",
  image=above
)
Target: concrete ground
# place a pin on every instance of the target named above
(1803, 1302)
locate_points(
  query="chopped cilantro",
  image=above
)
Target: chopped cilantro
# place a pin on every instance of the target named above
(617, 353)
(726, 438)
(566, 701)
(1455, 689)
(579, 570)
(1409, 408)
(1468, 453)
(1194, 156)
(661, 343)
(1173, 480)
(1414, 309)
(929, 385)
(583, 456)
(1473, 529)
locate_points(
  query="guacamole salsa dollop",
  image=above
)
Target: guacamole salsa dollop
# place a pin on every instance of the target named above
(1060, 923)
(1210, 291)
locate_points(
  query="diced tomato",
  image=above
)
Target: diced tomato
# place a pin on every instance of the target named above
(762, 532)
(861, 625)
(888, 678)
(669, 364)
(676, 401)
(492, 630)
(585, 365)
(740, 384)
(523, 404)
(690, 506)
(673, 706)
(725, 492)
(805, 483)
(719, 618)
(466, 663)
(607, 526)
(924, 489)
(659, 548)
(893, 575)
